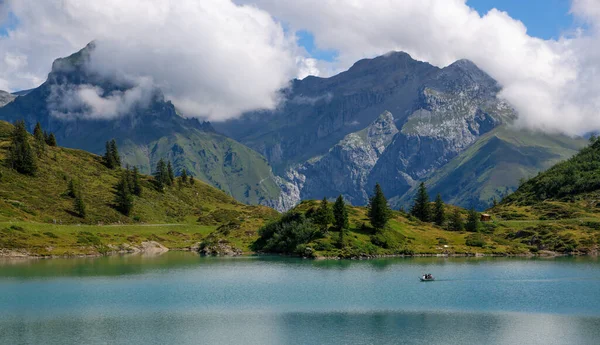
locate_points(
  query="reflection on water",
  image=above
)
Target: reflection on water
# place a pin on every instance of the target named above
(183, 298)
(308, 328)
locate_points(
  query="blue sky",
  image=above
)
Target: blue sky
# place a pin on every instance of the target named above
(543, 18)
(546, 19)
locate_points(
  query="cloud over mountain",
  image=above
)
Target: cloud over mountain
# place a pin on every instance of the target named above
(212, 58)
(217, 59)
(552, 83)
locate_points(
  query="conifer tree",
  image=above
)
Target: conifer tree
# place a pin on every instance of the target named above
(123, 198)
(340, 220)
(472, 224)
(455, 222)
(439, 213)
(51, 140)
(114, 152)
(421, 208)
(20, 155)
(340, 215)
(324, 215)
(170, 174)
(184, 176)
(109, 159)
(72, 189)
(40, 141)
(378, 210)
(79, 205)
(192, 180)
(137, 186)
(160, 175)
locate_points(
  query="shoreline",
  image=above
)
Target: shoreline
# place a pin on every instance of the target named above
(154, 249)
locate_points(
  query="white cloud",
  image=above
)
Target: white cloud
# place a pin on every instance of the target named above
(552, 83)
(92, 102)
(212, 58)
(216, 59)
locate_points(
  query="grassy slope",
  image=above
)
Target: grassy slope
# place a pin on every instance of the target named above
(493, 166)
(411, 236)
(218, 160)
(178, 217)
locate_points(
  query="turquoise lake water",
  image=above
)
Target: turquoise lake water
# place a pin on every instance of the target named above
(180, 298)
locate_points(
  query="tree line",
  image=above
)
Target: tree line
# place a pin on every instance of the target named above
(22, 155)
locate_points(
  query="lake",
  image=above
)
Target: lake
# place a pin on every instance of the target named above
(180, 298)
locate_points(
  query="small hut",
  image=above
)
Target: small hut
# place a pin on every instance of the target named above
(486, 217)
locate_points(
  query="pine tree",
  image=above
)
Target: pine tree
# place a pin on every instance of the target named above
(378, 210)
(160, 175)
(184, 176)
(20, 155)
(137, 186)
(472, 224)
(79, 205)
(40, 141)
(340, 214)
(51, 140)
(421, 208)
(455, 222)
(109, 160)
(324, 215)
(192, 179)
(72, 189)
(170, 174)
(114, 152)
(123, 198)
(439, 214)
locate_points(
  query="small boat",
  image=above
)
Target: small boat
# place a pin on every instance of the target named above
(427, 278)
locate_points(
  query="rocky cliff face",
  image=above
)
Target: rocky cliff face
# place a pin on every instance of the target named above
(5, 98)
(346, 167)
(440, 113)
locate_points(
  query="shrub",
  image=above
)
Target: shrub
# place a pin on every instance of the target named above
(286, 234)
(475, 240)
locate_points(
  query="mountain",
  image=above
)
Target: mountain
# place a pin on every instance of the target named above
(493, 166)
(150, 130)
(5, 98)
(317, 140)
(575, 181)
(40, 219)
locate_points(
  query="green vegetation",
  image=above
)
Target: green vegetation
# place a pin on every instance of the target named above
(71, 206)
(378, 209)
(472, 224)
(323, 216)
(45, 203)
(112, 159)
(455, 222)
(492, 167)
(439, 212)
(421, 207)
(20, 155)
(566, 181)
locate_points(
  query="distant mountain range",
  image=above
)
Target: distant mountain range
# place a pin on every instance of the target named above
(398, 121)
(391, 119)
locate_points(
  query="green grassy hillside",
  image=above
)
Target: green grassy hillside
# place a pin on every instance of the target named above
(218, 160)
(494, 165)
(37, 218)
(39, 207)
(406, 235)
